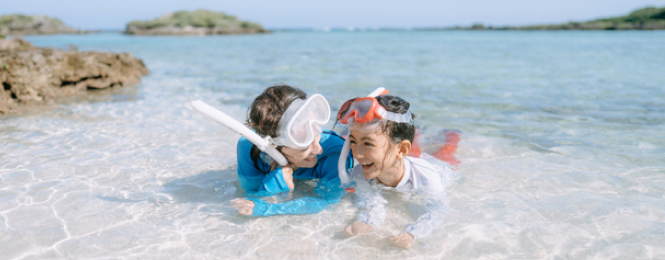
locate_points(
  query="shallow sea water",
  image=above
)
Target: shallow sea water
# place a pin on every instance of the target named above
(562, 148)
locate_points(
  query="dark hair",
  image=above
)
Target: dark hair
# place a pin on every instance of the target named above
(397, 131)
(265, 112)
(267, 109)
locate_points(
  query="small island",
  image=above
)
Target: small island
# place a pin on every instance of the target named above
(199, 22)
(36, 24)
(648, 18)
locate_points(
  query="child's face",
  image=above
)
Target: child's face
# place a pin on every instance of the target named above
(373, 151)
(304, 158)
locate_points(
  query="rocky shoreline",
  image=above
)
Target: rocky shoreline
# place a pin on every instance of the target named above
(31, 75)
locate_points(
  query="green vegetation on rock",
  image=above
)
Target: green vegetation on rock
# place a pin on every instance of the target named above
(649, 18)
(195, 22)
(37, 24)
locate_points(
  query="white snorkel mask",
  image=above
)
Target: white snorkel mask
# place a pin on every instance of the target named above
(301, 122)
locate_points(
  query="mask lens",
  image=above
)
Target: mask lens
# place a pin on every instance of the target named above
(361, 110)
(307, 122)
(343, 115)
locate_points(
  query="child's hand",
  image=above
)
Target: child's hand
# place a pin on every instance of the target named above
(404, 240)
(287, 172)
(357, 228)
(244, 207)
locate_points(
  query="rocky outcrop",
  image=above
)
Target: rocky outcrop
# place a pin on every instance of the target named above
(31, 75)
(199, 22)
(37, 24)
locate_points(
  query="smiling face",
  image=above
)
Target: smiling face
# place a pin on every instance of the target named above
(303, 158)
(374, 152)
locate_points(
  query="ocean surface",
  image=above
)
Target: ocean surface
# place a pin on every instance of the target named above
(562, 148)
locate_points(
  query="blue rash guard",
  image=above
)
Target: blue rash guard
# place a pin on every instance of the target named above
(260, 183)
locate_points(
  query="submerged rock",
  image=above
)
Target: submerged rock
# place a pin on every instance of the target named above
(36, 24)
(199, 22)
(31, 75)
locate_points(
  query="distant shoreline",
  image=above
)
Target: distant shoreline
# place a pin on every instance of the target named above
(433, 29)
(203, 23)
(338, 30)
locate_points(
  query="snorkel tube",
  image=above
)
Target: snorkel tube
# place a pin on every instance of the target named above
(341, 168)
(265, 144)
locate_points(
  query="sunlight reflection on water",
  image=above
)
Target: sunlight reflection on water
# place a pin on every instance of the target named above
(561, 149)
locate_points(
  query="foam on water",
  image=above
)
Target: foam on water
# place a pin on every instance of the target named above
(562, 148)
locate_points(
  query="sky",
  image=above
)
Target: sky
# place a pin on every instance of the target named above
(115, 14)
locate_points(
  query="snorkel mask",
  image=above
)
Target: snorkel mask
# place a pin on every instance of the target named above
(301, 122)
(365, 114)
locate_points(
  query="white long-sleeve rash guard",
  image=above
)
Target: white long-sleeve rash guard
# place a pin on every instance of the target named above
(420, 177)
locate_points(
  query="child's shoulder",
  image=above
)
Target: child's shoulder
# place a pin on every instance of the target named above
(331, 141)
(332, 135)
(424, 174)
(420, 163)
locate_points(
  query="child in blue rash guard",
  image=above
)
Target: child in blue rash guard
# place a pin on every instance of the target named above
(286, 114)
(381, 134)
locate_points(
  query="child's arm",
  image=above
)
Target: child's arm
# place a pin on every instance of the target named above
(424, 225)
(328, 190)
(437, 208)
(429, 188)
(254, 181)
(371, 206)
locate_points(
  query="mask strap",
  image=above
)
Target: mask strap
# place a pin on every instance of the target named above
(397, 117)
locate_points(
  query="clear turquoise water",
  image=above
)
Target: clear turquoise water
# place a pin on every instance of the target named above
(562, 147)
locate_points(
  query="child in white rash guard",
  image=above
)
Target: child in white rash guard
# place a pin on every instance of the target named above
(381, 134)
